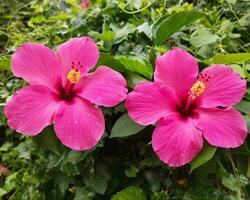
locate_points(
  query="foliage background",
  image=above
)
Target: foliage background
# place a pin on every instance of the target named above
(130, 34)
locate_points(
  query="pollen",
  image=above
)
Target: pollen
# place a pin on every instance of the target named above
(197, 89)
(74, 76)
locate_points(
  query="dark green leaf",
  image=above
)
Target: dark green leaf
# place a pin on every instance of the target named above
(125, 126)
(205, 155)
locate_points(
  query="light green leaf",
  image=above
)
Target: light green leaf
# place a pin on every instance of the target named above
(4, 63)
(202, 36)
(125, 126)
(130, 193)
(122, 33)
(136, 64)
(174, 23)
(205, 155)
(229, 58)
(106, 36)
(145, 28)
(136, 4)
(61, 16)
(20, 193)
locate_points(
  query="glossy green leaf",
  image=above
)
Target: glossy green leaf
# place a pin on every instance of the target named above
(205, 155)
(125, 126)
(174, 23)
(109, 60)
(136, 64)
(130, 193)
(228, 58)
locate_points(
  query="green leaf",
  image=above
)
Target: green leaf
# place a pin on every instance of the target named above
(134, 79)
(4, 62)
(136, 64)
(2, 192)
(20, 193)
(125, 126)
(130, 193)
(109, 60)
(202, 36)
(146, 29)
(174, 23)
(61, 16)
(229, 58)
(84, 193)
(100, 184)
(106, 36)
(205, 155)
(48, 140)
(131, 172)
(122, 33)
(244, 106)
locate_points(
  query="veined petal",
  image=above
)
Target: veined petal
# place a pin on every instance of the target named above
(78, 124)
(31, 109)
(178, 70)
(81, 53)
(37, 64)
(149, 102)
(225, 87)
(222, 127)
(176, 141)
(104, 87)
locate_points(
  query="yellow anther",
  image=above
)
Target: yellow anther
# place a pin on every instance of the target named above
(197, 89)
(74, 76)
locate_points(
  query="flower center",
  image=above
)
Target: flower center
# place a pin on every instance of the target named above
(187, 106)
(199, 87)
(74, 76)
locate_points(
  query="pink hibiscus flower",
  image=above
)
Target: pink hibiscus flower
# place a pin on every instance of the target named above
(187, 107)
(62, 92)
(85, 4)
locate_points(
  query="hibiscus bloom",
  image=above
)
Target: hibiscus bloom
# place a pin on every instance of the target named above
(62, 92)
(187, 107)
(85, 4)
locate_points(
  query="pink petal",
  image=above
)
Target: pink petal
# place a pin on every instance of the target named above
(82, 50)
(79, 125)
(175, 141)
(225, 88)
(222, 127)
(31, 109)
(104, 87)
(37, 64)
(149, 102)
(85, 4)
(178, 70)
